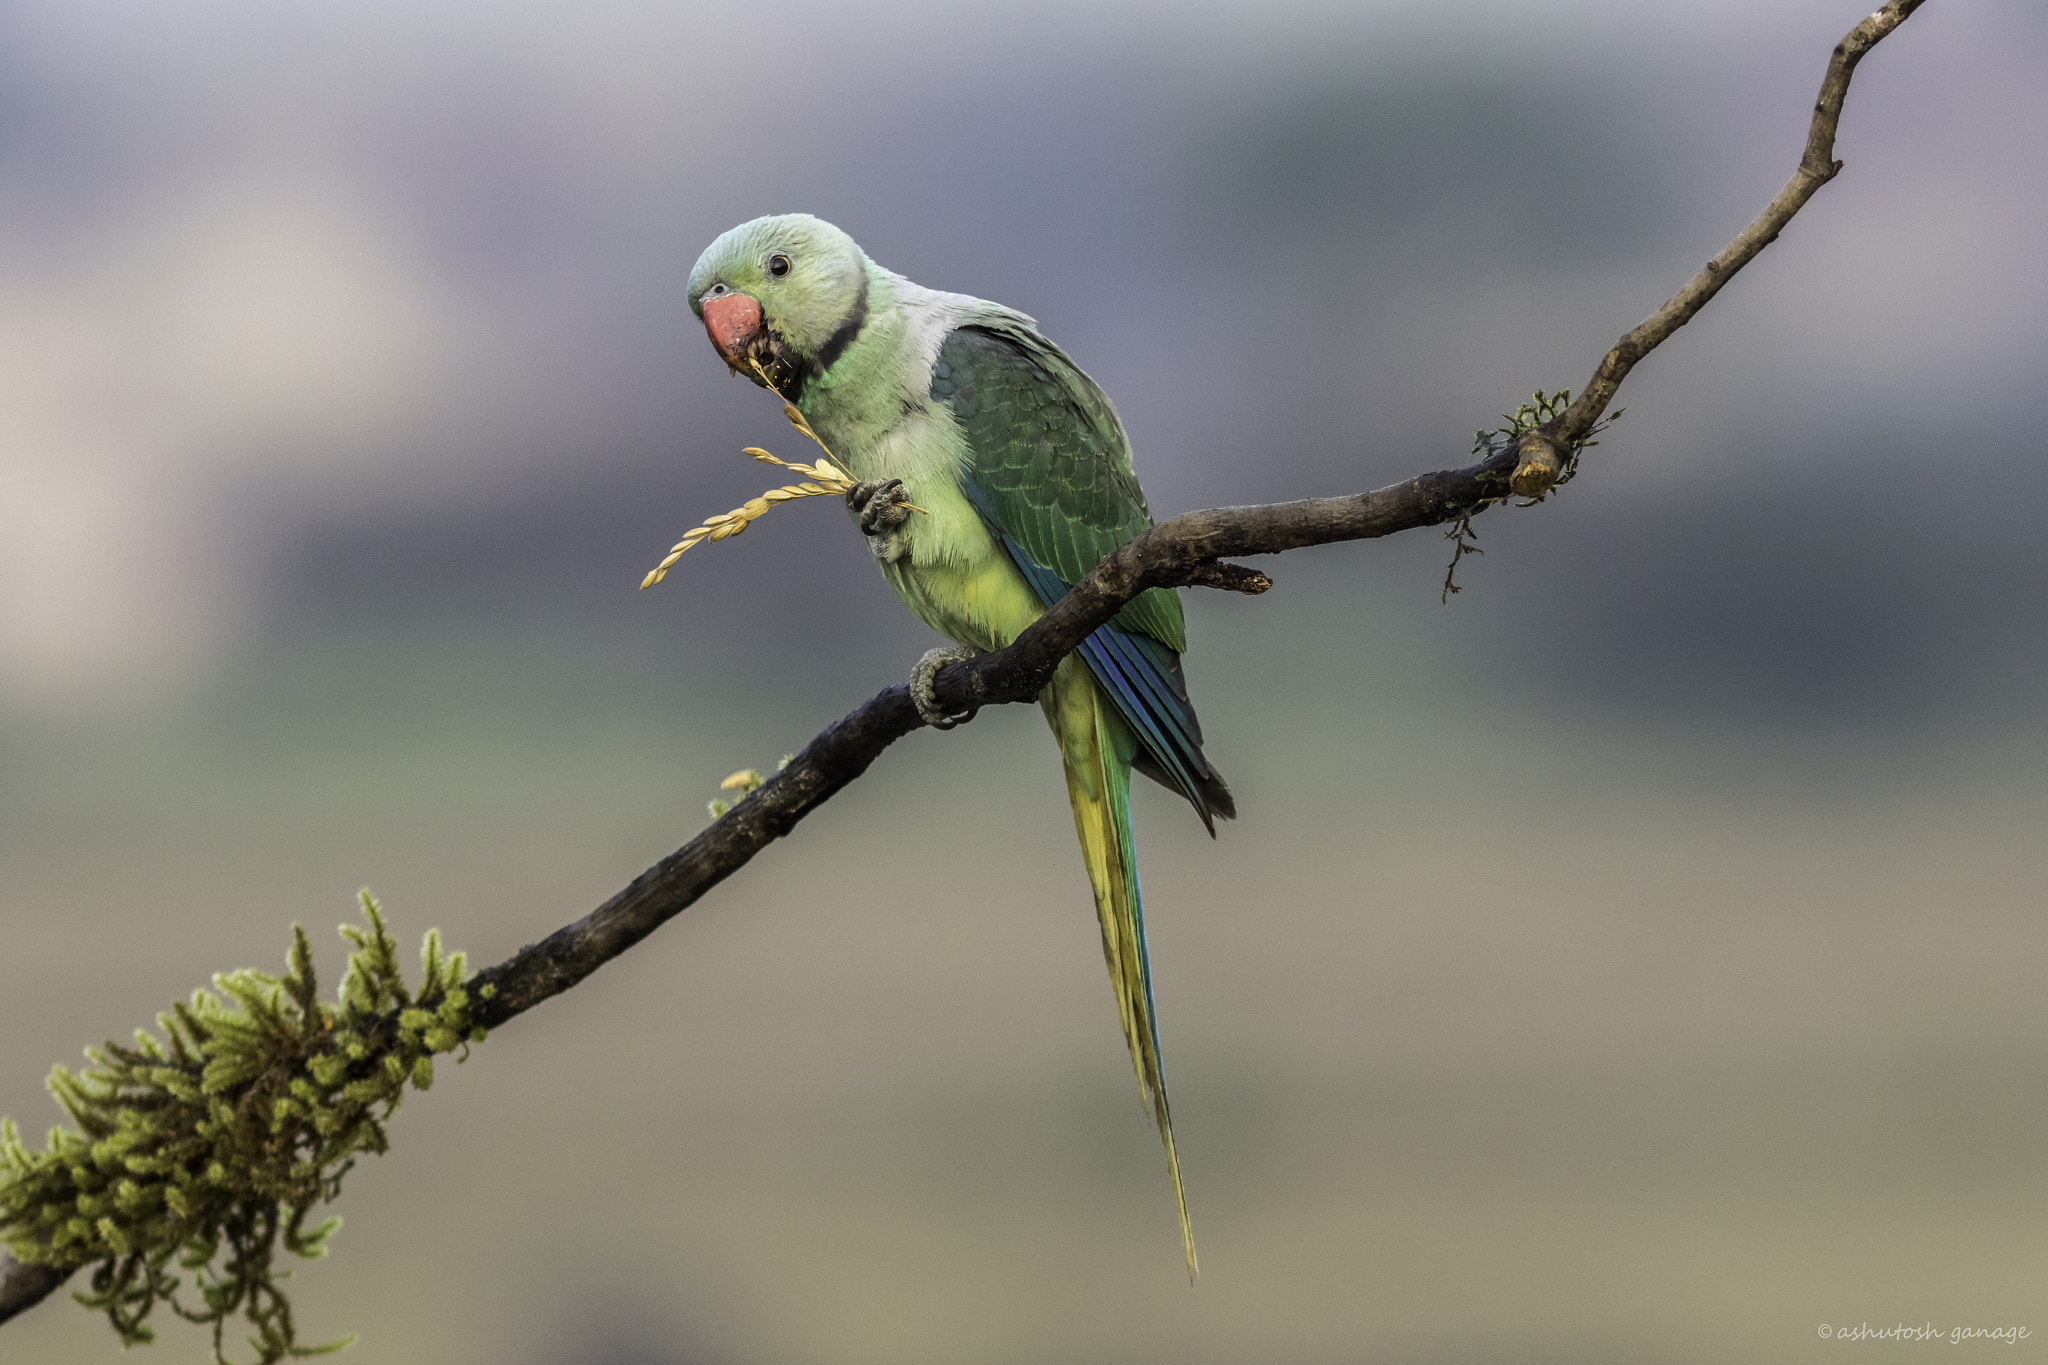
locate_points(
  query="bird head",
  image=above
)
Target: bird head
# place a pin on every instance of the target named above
(788, 292)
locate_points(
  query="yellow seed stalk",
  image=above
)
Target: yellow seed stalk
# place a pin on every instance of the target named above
(820, 478)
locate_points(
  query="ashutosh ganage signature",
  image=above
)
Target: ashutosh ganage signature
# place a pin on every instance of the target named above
(1863, 1331)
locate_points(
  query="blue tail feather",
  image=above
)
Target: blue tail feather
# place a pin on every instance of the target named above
(1139, 676)
(1116, 674)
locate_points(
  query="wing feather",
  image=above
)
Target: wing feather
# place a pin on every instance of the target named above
(1049, 470)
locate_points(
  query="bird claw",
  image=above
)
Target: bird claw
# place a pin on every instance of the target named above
(880, 504)
(923, 693)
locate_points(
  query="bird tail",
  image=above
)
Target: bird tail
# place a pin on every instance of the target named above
(1098, 749)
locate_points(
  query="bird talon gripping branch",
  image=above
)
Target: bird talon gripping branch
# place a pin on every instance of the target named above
(924, 689)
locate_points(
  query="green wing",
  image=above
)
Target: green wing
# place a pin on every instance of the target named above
(1050, 471)
(1049, 464)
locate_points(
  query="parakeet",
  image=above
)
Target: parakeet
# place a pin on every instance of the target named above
(963, 409)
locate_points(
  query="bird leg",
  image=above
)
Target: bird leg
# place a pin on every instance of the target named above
(926, 698)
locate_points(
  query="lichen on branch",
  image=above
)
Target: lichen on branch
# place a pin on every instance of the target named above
(212, 1145)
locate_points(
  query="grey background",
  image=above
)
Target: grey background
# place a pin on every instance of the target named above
(1636, 959)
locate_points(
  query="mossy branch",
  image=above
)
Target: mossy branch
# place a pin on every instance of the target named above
(212, 1145)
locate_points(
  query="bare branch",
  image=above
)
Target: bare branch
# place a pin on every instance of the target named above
(1816, 167)
(1177, 553)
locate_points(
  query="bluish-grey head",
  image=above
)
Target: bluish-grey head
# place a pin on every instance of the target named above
(788, 292)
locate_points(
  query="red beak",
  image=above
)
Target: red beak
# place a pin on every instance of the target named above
(733, 321)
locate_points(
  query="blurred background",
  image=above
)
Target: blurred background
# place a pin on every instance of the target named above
(1637, 959)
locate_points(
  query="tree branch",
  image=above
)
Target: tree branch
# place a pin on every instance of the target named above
(23, 1286)
(1548, 446)
(1182, 552)
(1178, 553)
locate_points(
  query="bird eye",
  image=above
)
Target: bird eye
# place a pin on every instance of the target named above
(778, 265)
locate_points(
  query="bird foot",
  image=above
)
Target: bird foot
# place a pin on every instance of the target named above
(921, 688)
(880, 504)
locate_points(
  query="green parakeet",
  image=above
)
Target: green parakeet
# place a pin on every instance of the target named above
(962, 408)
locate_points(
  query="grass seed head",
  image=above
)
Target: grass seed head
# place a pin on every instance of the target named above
(822, 479)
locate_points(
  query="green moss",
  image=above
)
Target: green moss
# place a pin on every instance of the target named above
(1541, 408)
(212, 1145)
